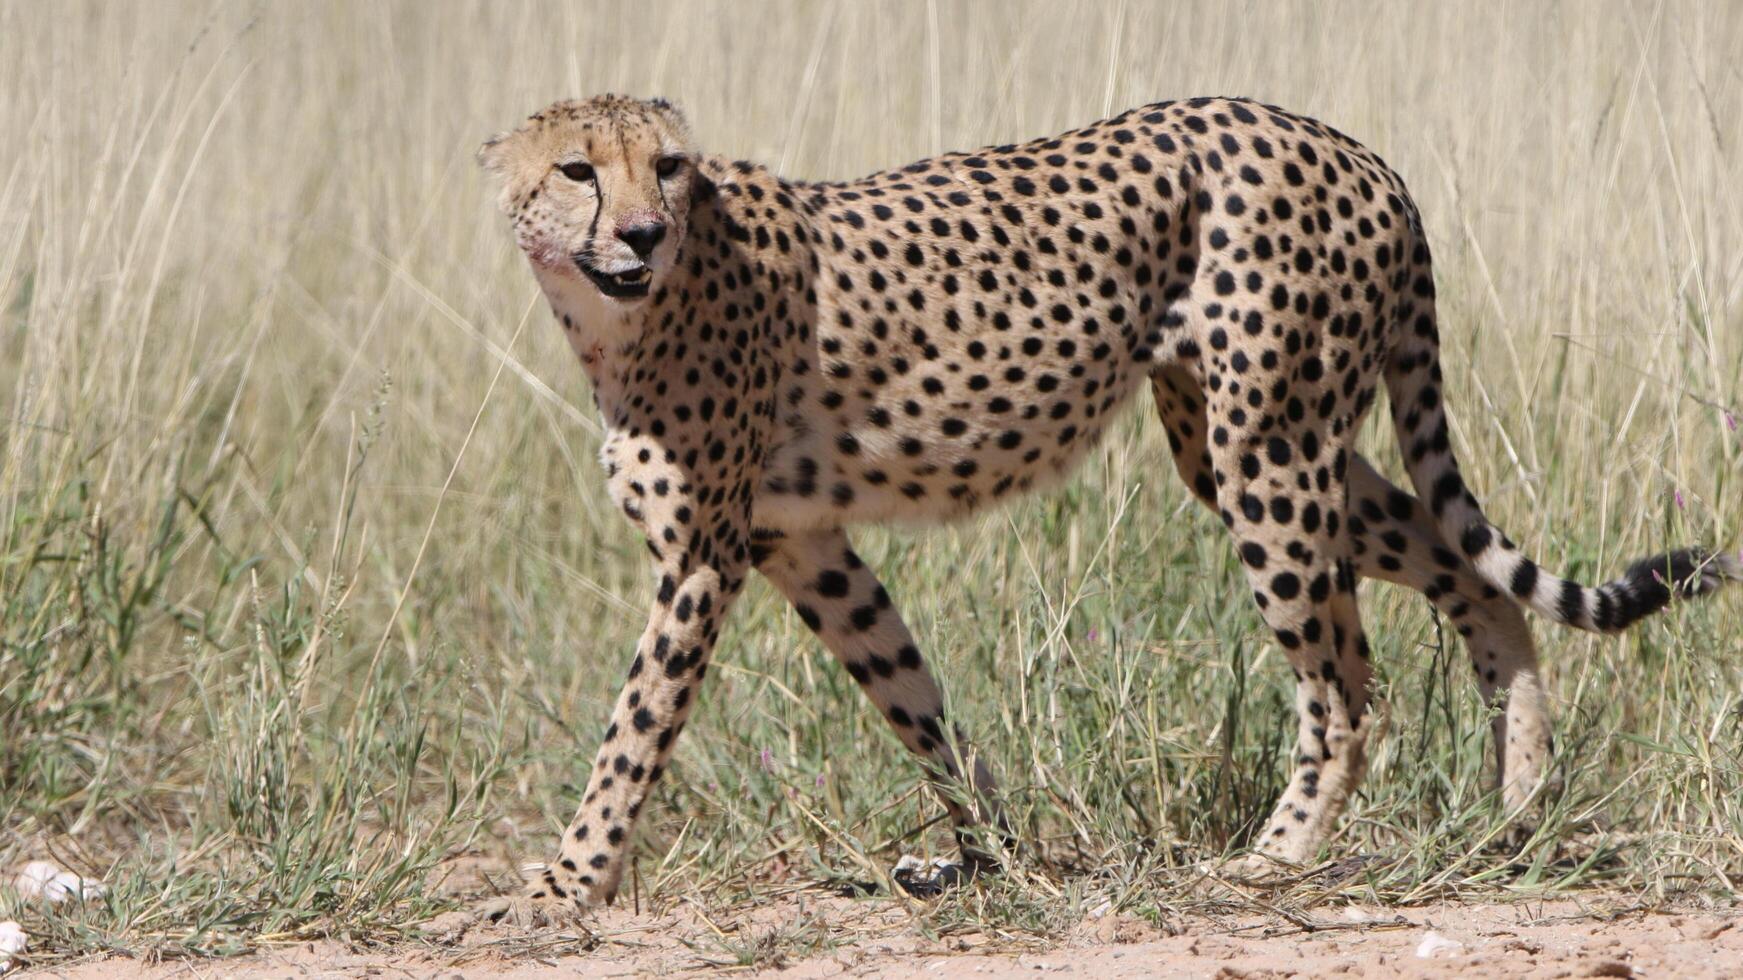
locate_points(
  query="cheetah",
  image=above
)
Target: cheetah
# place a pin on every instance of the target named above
(775, 361)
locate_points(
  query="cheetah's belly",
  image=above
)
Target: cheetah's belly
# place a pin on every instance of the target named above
(938, 465)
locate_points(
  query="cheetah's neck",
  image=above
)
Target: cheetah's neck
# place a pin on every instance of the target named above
(599, 329)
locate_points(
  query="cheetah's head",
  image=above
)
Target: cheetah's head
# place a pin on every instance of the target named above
(599, 192)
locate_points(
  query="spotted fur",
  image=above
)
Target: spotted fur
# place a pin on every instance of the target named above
(777, 360)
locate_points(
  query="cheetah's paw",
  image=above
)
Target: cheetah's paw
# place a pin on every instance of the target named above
(1257, 869)
(929, 879)
(532, 909)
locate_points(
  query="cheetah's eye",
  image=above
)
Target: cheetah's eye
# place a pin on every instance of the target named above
(581, 172)
(668, 166)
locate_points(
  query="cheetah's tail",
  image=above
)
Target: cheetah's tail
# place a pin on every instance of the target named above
(1413, 381)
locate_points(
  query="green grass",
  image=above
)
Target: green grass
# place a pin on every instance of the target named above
(308, 583)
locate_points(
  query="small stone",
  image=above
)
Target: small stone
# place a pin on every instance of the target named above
(1433, 944)
(12, 942)
(48, 881)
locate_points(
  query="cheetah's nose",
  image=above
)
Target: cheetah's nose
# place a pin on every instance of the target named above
(643, 237)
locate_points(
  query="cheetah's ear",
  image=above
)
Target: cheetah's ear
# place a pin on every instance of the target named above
(493, 155)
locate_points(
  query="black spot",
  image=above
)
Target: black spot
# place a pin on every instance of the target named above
(1285, 585)
(1253, 554)
(1475, 540)
(1252, 507)
(832, 583)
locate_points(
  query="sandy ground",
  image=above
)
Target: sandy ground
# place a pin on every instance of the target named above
(846, 938)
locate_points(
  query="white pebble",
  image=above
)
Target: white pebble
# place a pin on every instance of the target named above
(1433, 943)
(46, 880)
(12, 942)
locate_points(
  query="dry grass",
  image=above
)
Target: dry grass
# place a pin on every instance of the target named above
(276, 637)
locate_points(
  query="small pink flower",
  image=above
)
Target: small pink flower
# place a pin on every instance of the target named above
(819, 780)
(1679, 500)
(1731, 421)
(767, 759)
(1094, 634)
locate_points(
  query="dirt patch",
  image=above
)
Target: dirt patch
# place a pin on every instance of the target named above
(806, 935)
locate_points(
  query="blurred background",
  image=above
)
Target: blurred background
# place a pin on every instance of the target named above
(309, 589)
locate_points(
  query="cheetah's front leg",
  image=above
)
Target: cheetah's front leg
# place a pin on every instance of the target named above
(671, 658)
(841, 600)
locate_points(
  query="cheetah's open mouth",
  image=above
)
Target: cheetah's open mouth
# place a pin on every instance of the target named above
(619, 285)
